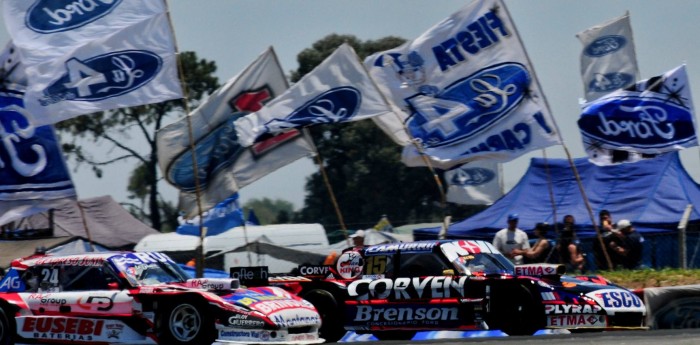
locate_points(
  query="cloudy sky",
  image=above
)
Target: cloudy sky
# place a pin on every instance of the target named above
(233, 32)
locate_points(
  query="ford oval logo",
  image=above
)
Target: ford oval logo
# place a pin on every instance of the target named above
(216, 151)
(637, 122)
(47, 16)
(605, 45)
(610, 82)
(472, 176)
(468, 106)
(105, 76)
(336, 105)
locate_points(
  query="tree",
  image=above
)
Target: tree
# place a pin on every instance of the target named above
(362, 164)
(270, 211)
(116, 129)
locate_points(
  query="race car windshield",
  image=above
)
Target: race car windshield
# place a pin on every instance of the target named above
(483, 264)
(155, 273)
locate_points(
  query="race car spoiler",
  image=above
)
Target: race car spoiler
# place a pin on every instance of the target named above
(539, 270)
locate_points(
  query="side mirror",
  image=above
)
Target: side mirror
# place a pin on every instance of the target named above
(112, 286)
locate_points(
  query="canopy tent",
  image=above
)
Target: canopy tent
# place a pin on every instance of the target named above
(652, 193)
(108, 223)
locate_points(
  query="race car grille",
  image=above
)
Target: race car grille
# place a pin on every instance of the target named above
(299, 330)
(627, 319)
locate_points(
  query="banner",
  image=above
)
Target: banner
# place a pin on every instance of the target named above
(223, 165)
(337, 90)
(33, 173)
(475, 183)
(467, 90)
(608, 59)
(654, 116)
(85, 57)
(224, 216)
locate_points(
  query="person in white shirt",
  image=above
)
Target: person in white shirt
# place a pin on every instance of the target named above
(511, 238)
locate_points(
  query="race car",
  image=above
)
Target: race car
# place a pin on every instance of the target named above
(394, 290)
(142, 298)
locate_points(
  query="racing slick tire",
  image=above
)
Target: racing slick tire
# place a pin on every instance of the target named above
(394, 335)
(7, 328)
(185, 323)
(332, 328)
(514, 310)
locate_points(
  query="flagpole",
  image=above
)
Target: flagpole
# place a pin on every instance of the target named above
(421, 152)
(566, 150)
(199, 269)
(550, 186)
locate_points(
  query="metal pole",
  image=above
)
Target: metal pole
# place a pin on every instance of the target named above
(682, 250)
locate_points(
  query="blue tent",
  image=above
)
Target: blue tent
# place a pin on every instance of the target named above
(653, 194)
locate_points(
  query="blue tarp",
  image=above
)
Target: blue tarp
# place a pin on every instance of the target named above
(653, 194)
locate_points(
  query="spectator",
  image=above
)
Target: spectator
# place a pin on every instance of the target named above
(358, 239)
(542, 250)
(606, 227)
(570, 253)
(627, 245)
(511, 238)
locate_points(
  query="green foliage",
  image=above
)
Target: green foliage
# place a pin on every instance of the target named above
(81, 136)
(270, 211)
(637, 279)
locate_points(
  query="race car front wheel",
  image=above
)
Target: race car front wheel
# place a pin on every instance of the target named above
(7, 328)
(185, 324)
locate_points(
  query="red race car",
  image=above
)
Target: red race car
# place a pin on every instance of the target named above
(142, 298)
(394, 290)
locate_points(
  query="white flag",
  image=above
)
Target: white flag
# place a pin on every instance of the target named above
(475, 183)
(89, 56)
(652, 117)
(608, 59)
(467, 90)
(223, 165)
(337, 90)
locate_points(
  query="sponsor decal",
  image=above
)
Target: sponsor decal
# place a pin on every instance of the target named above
(296, 320)
(252, 276)
(48, 16)
(411, 247)
(605, 45)
(316, 270)
(245, 321)
(571, 309)
(350, 265)
(71, 261)
(408, 288)
(404, 316)
(103, 76)
(582, 320)
(537, 270)
(267, 307)
(98, 303)
(243, 335)
(548, 296)
(114, 330)
(11, 282)
(213, 283)
(619, 299)
(61, 328)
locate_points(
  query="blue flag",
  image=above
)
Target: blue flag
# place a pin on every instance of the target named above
(33, 173)
(224, 216)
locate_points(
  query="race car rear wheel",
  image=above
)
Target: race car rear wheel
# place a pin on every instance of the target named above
(7, 328)
(394, 335)
(331, 316)
(185, 324)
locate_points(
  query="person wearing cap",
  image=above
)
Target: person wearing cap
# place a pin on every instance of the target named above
(358, 239)
(511, 240)
(627, 245)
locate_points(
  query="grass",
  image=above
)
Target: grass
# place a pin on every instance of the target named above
(638, 279)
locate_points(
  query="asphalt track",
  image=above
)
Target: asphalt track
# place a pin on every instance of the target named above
(654, 337)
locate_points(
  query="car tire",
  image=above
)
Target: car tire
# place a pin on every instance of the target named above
(394, 335)
(7, 328)
(514, 310)
(332, 328)
(185, 324)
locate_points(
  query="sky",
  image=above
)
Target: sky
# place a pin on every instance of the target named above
(233, 33)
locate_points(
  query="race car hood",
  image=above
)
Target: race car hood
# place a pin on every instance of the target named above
(282, 308)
